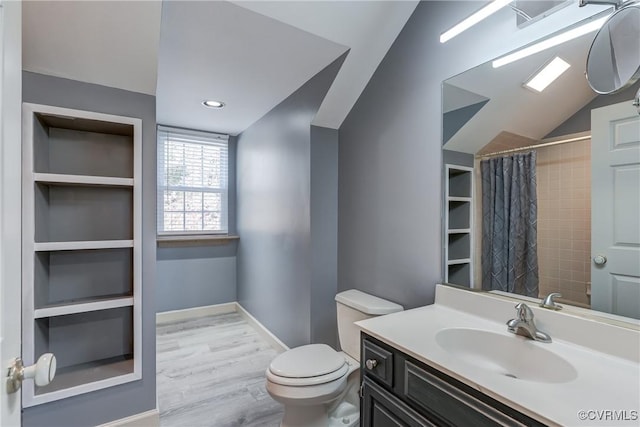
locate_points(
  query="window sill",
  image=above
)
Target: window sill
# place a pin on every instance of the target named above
(191, 240)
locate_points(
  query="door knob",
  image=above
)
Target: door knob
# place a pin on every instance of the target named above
(371, 363)
(599, 260)
(42, 372)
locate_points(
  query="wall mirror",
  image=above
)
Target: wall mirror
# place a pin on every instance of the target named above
(566, 207)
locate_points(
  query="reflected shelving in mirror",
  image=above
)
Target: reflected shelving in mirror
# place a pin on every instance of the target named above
(487, 112)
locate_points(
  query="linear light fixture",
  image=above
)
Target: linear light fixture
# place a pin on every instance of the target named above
(574, 33)
(483, 13)
(547, 74)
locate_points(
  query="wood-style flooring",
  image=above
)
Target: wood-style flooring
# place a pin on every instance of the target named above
(211, 372)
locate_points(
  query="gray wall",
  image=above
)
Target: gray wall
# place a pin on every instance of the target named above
(196, 275)
(105, 405)
(581, 121)
(324, 234)
(389, 239)
(274, 261)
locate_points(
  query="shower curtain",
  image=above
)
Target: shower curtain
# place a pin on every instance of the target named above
(509, 224)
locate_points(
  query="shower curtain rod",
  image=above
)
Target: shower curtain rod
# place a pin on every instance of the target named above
(534, 146)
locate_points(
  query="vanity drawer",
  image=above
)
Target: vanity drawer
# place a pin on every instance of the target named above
(450, 403)
(377, 362)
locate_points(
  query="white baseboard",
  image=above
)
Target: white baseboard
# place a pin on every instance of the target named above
(194, 313)
(278, 345)
(144, 419)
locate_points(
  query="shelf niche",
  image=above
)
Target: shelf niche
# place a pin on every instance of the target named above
(459, 215)
(460, 183)
(66, 213)
(459, 246)
(89, 347)
(68, 277)
(460, 274)
(77, 146)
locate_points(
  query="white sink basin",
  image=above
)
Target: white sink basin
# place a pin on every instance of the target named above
(510, 355)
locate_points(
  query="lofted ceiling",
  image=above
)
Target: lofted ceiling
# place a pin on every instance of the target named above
(514, 109)
(251, 55)
(107, 43)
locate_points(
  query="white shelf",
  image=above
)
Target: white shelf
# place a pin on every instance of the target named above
(85, 378)
(54, 178)
(76, 206)
(74, 246)
(84, 307)
(459, 261)
(459, 231)
(458, 199)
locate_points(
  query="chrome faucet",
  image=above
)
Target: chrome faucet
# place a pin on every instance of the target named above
(550, 303)
(524, 325)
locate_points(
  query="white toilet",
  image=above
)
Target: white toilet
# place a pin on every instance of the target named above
(318, 385)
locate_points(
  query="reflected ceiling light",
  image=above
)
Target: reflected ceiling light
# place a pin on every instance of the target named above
(483, 13)
(213, 104)
(574, 33)
(548, 74)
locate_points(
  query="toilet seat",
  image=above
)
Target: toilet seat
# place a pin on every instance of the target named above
(307, 365)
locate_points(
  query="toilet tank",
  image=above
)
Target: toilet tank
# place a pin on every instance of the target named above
(353, 306)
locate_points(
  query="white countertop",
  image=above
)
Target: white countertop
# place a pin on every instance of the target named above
(604, 381)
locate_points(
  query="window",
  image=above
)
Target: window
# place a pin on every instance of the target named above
(192, 182)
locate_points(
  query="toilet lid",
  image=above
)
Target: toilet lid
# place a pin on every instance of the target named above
(307, 361)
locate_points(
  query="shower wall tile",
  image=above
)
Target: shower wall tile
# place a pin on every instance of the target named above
(564, 220)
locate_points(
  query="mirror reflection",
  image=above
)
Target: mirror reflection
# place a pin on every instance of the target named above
(541, 182)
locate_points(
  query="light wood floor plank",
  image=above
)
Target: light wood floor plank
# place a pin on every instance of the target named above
(211, 372)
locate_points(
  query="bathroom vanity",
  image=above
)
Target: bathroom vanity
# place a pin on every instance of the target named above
(398, 389)
(455, 364)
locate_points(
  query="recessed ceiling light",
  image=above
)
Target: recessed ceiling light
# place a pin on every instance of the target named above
(483, 13)
(548, 74)
(213, 104)
(550, 42)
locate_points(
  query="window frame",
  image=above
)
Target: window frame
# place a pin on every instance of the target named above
(199, 137)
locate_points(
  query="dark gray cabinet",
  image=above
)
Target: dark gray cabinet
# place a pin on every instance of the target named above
(398, 390)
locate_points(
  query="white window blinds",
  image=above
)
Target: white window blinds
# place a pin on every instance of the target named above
(192, 181)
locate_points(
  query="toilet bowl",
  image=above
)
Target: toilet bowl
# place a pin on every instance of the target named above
(318, 385)
(309, 381)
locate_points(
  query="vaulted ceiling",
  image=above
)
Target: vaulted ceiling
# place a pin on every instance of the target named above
(251, 55)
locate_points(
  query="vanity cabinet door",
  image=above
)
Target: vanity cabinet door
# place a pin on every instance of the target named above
(381, 409)
(441, 397)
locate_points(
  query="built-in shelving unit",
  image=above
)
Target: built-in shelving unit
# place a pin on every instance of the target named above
(458, 239)
(81, 256)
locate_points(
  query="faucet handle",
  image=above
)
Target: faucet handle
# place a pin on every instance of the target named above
(524, 312)
(549, 302)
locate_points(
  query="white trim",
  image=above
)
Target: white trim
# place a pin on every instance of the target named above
(89, 244)
(55, 178)
(29, 313)
(10, 194)
(143, 419)
(31, 108)
(451, 231)
(63, 309)
(278, 345)
(194, 313)
(212, 310)
(79, 389)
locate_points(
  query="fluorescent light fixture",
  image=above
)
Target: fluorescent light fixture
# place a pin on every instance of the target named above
(548, 74)
(213, 104)
(551, 42)
(483, 13)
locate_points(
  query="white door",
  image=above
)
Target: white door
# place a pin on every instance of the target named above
(615, 209)
(10, 202)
